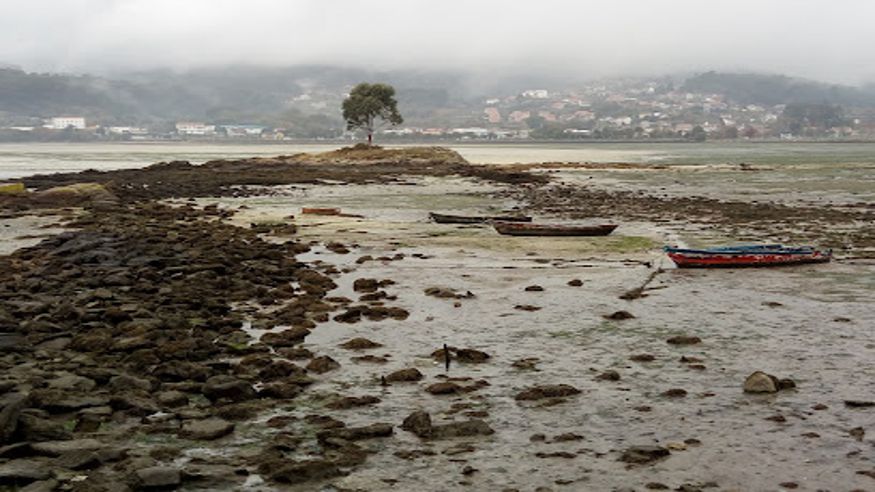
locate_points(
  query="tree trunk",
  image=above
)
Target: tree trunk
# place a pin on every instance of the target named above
(370, 139)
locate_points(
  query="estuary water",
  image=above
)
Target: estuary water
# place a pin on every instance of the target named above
(23, 159)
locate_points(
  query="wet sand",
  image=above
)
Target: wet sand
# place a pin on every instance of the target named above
(808, 323)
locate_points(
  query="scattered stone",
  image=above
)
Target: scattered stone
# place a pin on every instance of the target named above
(322, 364)
(444, 388)
(575, 282)
(619, 316)
(360, 344)
(206, 430)
(656, 486)
(534, 288)
(158, 477)
(528, 363)
(537, 438)
(777, 418)
(526, 307)
(760, 382)
(293, 472)
(471, 356)
(372, 359)
(286, 338)
(547, 391)
(857, 433)
(690, 360)
(352, 401)
(58, 448)
(568, 436)
(642, 358)
(405, 375)
(228, 388)
(789, 485)
(609, 376)
(468, 470)
(684, 340)
(675, 393)
(642, 455)
(419, 423)
(556, 454)
(11, 405)
(18, 473)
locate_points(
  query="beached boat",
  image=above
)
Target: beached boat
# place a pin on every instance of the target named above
(746, 256)
(523, 229)
(475, 219)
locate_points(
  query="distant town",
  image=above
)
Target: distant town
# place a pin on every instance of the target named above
(626, 109)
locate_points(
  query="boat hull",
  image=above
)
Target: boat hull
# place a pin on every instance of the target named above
(746, 257)
(463, 219)
(516, 229)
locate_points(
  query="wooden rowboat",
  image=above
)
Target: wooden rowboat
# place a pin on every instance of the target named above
(518, 229)
(746, 256)
(475, 219)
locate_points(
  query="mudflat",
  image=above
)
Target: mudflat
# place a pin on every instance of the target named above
(185, 326)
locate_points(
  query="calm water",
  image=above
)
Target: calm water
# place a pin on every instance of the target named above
(17, 160)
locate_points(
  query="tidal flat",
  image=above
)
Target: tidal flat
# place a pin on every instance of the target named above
(210, 336)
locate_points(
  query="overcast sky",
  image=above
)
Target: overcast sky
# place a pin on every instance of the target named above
(827, 40)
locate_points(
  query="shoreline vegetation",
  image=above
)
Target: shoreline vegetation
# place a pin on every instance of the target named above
(126, 342)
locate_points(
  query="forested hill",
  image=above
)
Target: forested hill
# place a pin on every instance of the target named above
(748, 88)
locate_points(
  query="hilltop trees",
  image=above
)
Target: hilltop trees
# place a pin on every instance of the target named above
(369, 102)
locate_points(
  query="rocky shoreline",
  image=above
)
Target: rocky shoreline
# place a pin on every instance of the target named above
(151, 329)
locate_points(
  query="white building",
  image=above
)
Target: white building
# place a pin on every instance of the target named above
(536, 94)
(127, 130)
(195, 128)
(64, 122)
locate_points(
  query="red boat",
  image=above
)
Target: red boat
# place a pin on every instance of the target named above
(746, 256)
(524, 229)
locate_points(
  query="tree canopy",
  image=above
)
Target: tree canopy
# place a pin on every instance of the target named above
(367, 103)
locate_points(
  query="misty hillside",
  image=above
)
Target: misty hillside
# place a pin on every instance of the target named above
(748, 88)
(306, 99)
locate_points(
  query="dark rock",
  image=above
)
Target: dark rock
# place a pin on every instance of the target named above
(279, 369)
(444, 388)
(294, 353)
(575, 282)
(41, 486)
(609, 376)
(365, 285)
(73, 383)
(58, 448)
(468, 428)
(227, 388)
(32, 426)
(642, 358)
(56, 401)
(526, 307)
(471, 356)
(405, 375)
(133, 404)
(302, 471)
(675, 393)
(619, 315)
(352, 401)
(18, 473)
(360, 344)
(547, 391)
(568, 436)
(641, 455)
(158, 477)
(322, 364)
(760, 382)
(282, 390)
(11, 405)
(206, 430)
(356, 433)
(172, 398)
(684, 340)
(125, 382)
(419, 423)
(286, 338)
(786, 383)
(534, 288)
(371, 359)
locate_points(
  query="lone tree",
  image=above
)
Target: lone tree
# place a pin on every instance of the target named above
(366, 103)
